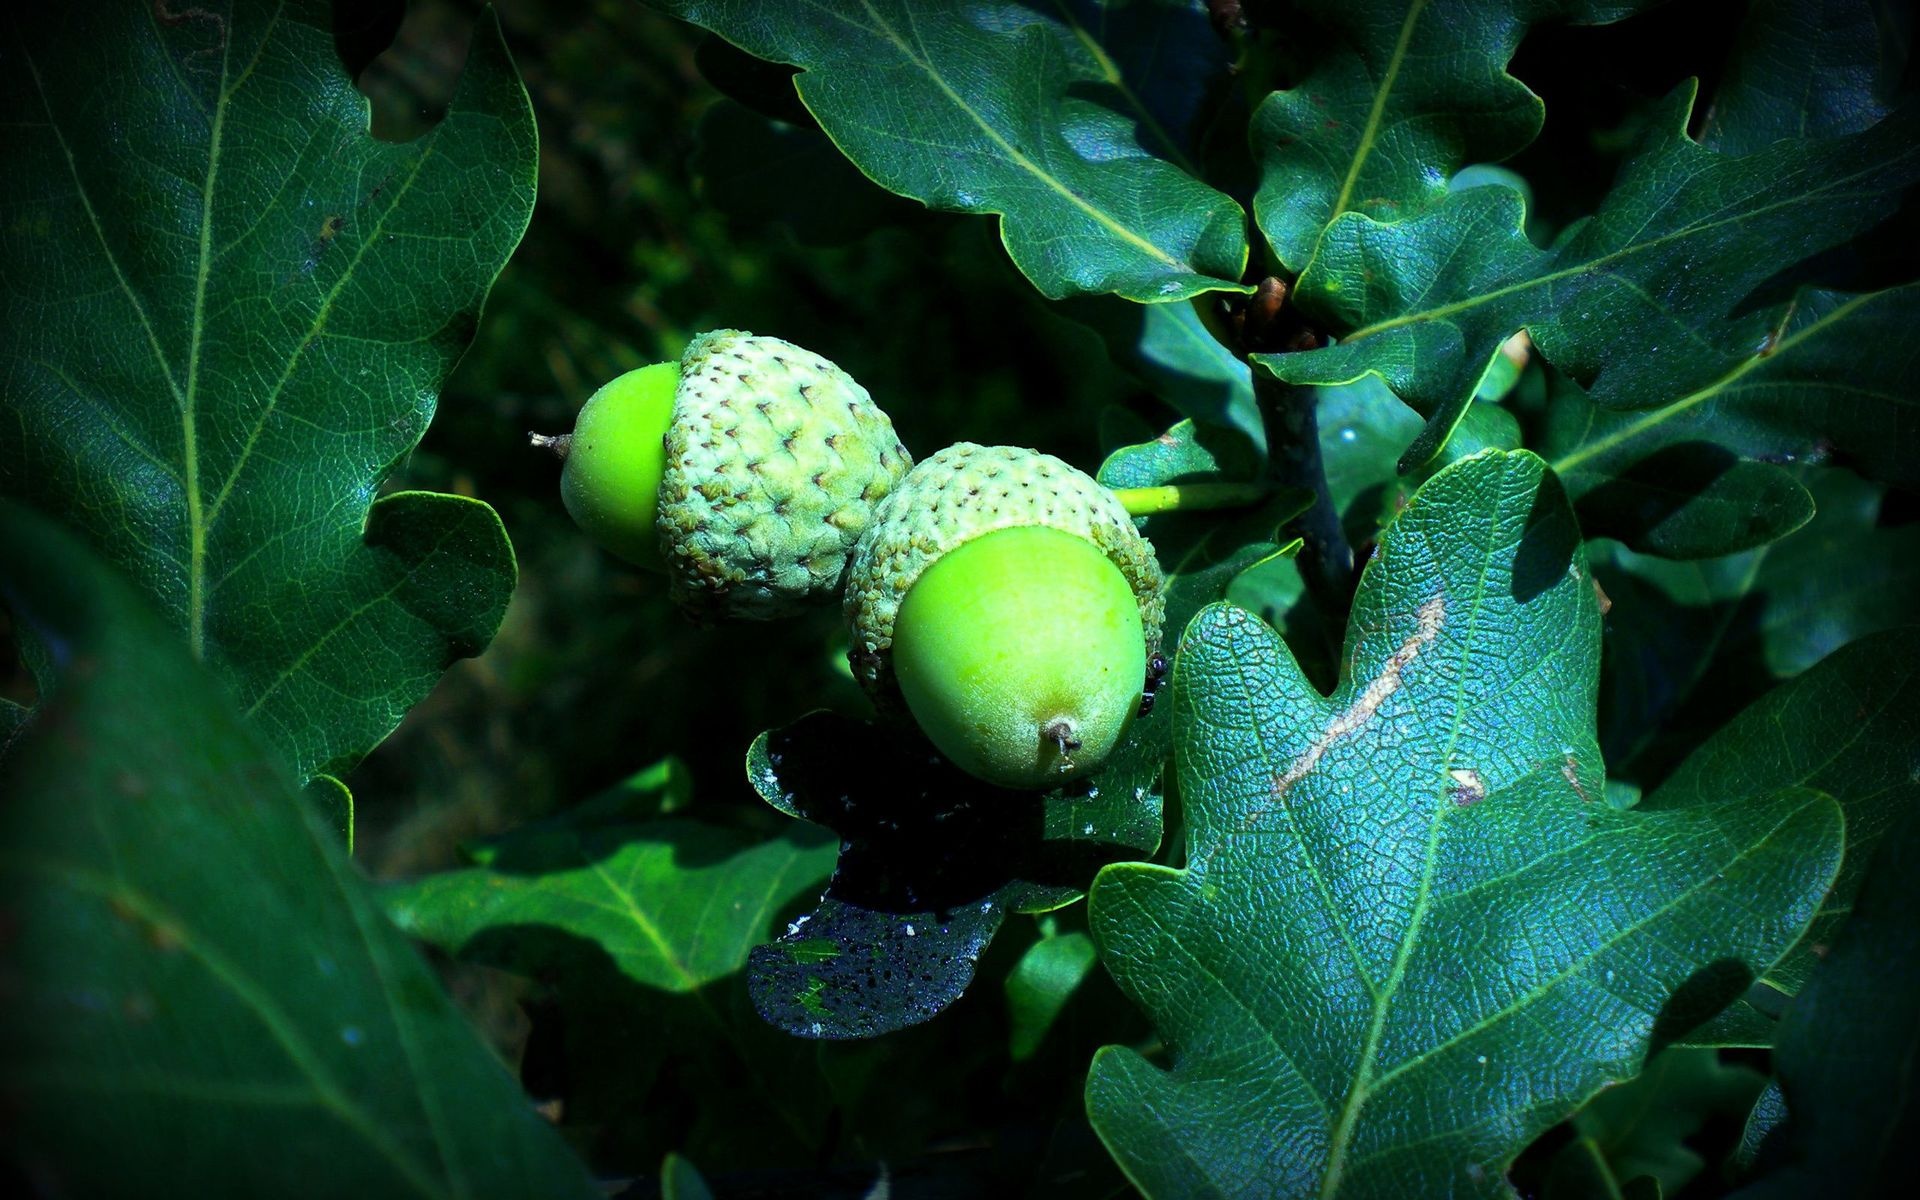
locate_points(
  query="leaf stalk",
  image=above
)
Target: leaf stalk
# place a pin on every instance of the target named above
(1191, 497)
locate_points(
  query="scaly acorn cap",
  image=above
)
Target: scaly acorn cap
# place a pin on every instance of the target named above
(957, 495)
(775, 460)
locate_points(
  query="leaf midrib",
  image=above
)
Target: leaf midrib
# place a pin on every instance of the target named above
(1699, 885)
(189, 408)
(1363, 1082)
(1099, 215)
(1694, 399)
(1371, 130)
(279, 1025)
(1596, 265)
(1118, 81)
(314, 331)
(186, 398)
(727, 1030)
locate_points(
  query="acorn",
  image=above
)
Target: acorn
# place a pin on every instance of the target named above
(1007, 603)
(746, 472)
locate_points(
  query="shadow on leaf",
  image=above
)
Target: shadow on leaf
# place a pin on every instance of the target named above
(1696, 500)
(1705, 994)
(1548, 542)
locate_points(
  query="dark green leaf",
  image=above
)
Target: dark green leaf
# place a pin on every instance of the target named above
(1689, 644)
(1848, 1047)
(1411, 935)
(1829, 380)
(1398, 95)
(1040, 985)
(1642, 1127)
(1168, 348)
(1580, 1172)
(228, 310)
(1807, 68)
(1029, 113)
(1847, 728)
(1696, 500)
(641, 925)
(1270, 587)
(1741, 1024)
(205, 999)
(1364, 428)
(1638, 304)
(1769, 1113)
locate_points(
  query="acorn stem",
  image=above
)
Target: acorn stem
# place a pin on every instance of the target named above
(558, 444)
(1190, 497)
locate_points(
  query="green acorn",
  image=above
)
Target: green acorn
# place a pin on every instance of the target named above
(747, 472)
(1007, 602)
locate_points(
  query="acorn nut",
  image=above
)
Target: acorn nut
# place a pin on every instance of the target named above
(1006, 601)
(747, 472)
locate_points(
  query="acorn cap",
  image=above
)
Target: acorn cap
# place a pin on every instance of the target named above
(957, 495)
(775, 460)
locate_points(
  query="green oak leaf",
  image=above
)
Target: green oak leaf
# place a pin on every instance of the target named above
(1806, 68)
(646, 893)
(1396, 97)
(204, 996)
(1847, 1048)
(227, 312)
(1696, 501)
(1638, 304)
(1829, 381)
(636, 926)
(1411, 934)
(1847, 728)
(1581, 1172)
(1039, 115)
(1363, 430)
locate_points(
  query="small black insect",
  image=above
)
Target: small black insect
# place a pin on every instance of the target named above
(1156, 675)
